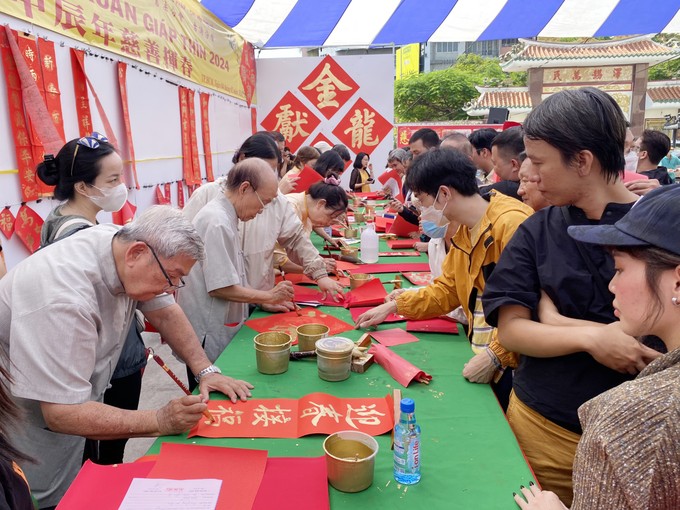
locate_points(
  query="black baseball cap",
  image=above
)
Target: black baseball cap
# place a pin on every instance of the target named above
(653, 221)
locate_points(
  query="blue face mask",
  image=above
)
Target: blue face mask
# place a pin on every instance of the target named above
(433, 231)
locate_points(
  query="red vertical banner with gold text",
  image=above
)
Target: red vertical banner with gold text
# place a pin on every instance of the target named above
(186, 138)
(48, 63)
(195, 163)
(180, 194)
(22, 141)
(205, 128)
(122, 83)
(80, 90)
(29, 52)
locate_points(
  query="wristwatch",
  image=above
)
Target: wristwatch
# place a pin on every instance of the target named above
(212, 369)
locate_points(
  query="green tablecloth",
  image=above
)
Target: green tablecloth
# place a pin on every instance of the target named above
(469, 456)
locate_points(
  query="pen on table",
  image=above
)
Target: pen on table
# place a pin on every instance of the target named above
(283, 277)
(172, 375)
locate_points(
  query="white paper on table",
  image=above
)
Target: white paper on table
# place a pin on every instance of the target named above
(162, 494)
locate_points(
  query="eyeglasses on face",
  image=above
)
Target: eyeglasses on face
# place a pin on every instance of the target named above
(171, 286)
(91, 142)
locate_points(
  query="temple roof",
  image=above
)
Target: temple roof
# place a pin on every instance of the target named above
(632, 50)
(515, 99)
(664, 94)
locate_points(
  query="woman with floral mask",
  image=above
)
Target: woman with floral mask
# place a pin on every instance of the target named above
(87, 175)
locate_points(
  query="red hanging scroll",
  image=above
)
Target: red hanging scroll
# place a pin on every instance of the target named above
(161, 198)
(48, 62)
(180, 194)
(205, 128)
(122, 83)
(7, 220)
(316, 413)
(185, 126)
(80, 90)
(195, 164)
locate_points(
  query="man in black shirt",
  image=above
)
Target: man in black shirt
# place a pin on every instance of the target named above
(575, 350)
(505, 156)
(651, 147)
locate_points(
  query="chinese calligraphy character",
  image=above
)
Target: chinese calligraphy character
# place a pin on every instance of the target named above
(617, 72)
(52, 89)
(364, 415)
(29, 5)
(597, 74)
(187, 67)
(226, 416)
(103, 29)
(320, 411)
(71, 14)
(34, 75)
(362, 129)
(29, 54)
(271, 416)
(153, 54)
(170, 59)
(22, 138)
(557, 75)
(129, 43)
(576, 76)
(325, 84)
(48, 62)
(289, 127)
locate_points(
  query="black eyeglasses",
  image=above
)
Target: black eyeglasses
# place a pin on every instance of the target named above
(171, 286)
(91, 142)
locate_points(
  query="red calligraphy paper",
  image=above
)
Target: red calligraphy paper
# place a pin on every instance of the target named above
(439, 325)
(187, 170)
(391, 268)
(195, 165)
(394, 336)
(306, 295)
(401, 370)
(358, 310)
(20, 133)
(240, 470)
(289, 321)
(7, 221)
(382, 223)
(400, 244)
(399, 254)
(161, 198)
(80, 90)
(316, 413)
(343, 265)
(125, 215)
(205, 130)
(167, 192)
(122, 85)
(301, 279)
(28, 225)
(306, 178)
(371, 293)
(102, 487)
(418, 278)
(276, 482)
(248, 72)
(180, 194)
(368, 195)
(402, 228)
(48, 63)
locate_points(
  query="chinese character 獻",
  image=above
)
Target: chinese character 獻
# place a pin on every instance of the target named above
(289, 127)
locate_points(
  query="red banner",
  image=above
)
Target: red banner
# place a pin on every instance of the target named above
(205, 126)
(125, 215)
(20, 134)
(316, 413)
(185, 127)
(180, 194)
(28, 226)
(48, 63)
(247, 71)
(161, 198)
(80, 90)
(122, 83)
(195, 164)
(168, 192)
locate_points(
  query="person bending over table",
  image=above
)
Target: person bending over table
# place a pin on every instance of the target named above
(216, 296)
(276, 223)
(629, 455)
(64, 314)
(575, 141)
(317, 208)
(445, 185)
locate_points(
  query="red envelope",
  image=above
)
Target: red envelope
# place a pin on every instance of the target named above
(307, 177)
(357, 311)
(400, 244)
(103, 487)
(401, 370)
(402, 228)
(391, 268)
(371, 293)
(438, 325)
(394, 336)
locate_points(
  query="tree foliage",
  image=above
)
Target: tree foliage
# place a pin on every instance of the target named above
(441, 95)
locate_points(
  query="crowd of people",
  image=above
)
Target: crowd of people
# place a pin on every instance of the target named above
(567, 282)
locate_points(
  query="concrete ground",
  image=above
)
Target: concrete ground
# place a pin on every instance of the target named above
(157, 390)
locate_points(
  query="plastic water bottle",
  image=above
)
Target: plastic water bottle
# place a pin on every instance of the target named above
(407, 445)
(369, 245)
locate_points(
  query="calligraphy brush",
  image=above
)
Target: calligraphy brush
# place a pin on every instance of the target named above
(283, 277)
(172, 375)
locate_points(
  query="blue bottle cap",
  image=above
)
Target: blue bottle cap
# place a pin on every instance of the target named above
(407, 405)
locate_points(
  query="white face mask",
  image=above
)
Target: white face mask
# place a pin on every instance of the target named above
(433, 214)
(113, 199)
(631, 161)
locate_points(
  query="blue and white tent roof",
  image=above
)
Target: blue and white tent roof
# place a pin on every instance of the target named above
(311, 23)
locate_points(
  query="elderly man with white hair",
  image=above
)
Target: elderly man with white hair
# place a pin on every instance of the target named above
(64, 314)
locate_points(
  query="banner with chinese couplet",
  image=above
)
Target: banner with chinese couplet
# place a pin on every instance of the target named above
(316, 413)
(178, 36)
(345, 100)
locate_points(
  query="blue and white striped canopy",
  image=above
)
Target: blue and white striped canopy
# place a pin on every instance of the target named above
(311, 23)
